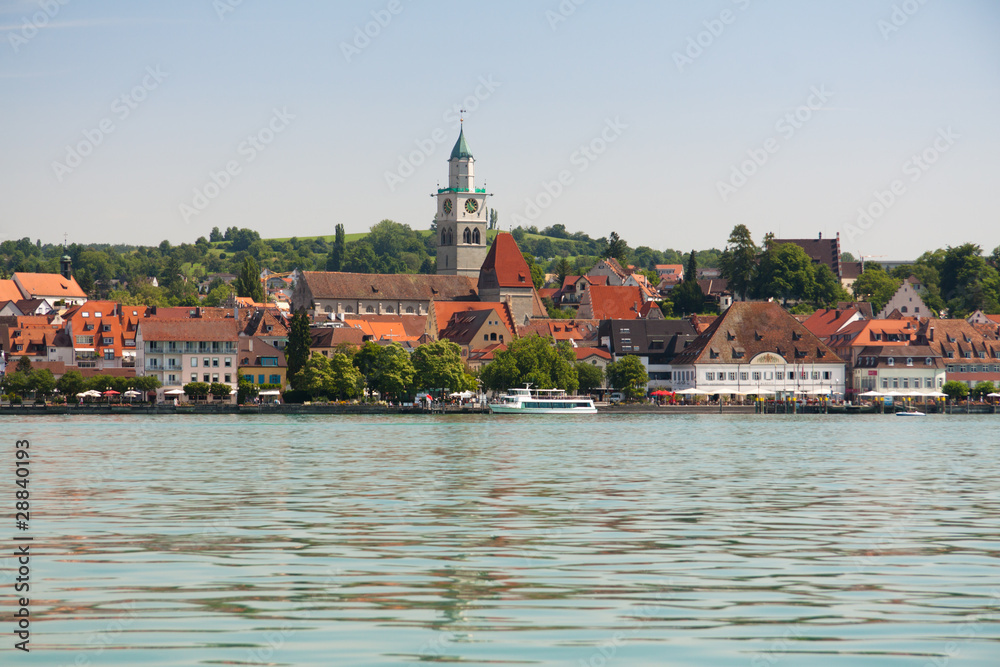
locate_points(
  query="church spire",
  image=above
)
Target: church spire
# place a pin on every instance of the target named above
(461, 149)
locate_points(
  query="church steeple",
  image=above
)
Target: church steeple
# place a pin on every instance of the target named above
(461, 216)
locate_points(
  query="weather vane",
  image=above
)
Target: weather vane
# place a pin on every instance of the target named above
(461, 115)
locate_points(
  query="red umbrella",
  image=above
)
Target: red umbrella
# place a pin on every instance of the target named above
(111, 392)
(660, 392)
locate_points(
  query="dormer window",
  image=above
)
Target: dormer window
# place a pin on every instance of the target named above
(796, 335)
(730, 335)
(909, 361)
(890, 361)
(928, 362)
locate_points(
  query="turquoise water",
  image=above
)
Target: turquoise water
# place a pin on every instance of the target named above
(595, 540)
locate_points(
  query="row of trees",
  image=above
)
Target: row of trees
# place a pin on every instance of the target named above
(41, 383)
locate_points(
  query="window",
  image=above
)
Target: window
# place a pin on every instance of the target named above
(229, 362)
(215, 377)
(906, 383)
(85, 314)
(710, 377)
(928, 362)
(194, 364)
(349, 309)
(826, 375)
(486, 337)
(171, 379)
(389, 310)
(109, 355)
(215, 362)
(369, 309)
(260, 379)
(804, 375)
(890, 361)
(756, 376)
(909, 361)
(815, 375)
(205, 377)
(206, 362)
(105, 328)
(732, 377)
(107, 341)
(194, 377)
(779, 375)
(409, 310)
(229, 378)
(274, 379)
(885, 383)
(744, 376)
(493, 336)
(929, 383)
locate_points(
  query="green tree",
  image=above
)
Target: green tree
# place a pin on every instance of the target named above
(215, 236)
(219, 390)
(335, 260)
(968, 281)
(23, 365)
(739, 261)
(533, 360)
(195, 390)
(366, 361)
(786, 272)
(875, 286)
(333, 377)
(616, 248)
(983, 389)
(246, 390)
(439, 365)
(563, 270)
(955, 390)
(71, 384)
(248, 283)
(218, 296)
(629, 376)
(299, 340)
(827, 289)
(394, 371)
(590, 377)
(42, 382)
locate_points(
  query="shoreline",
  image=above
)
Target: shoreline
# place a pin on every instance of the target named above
(297, 409)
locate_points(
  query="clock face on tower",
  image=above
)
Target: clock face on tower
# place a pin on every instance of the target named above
(471, 205)
(448, 206)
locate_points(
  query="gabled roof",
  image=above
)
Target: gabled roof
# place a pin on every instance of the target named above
(461, 149)
(188, 330)
(463, 327)
(613, 302)
(49, 284)
(9, 291)
(504, 265)
(391, 287)
(260, 349)
(325, 337)
(827, 321)
(581, 331)
(713, 286)
(583, 353)
(750, 328)
(443, 311)
(385, 329)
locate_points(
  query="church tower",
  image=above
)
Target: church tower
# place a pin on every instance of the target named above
(461, 217)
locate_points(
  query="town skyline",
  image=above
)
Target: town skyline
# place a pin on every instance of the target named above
(672, 131)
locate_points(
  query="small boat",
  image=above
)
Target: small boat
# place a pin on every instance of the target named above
(912, 413)
(542, 402)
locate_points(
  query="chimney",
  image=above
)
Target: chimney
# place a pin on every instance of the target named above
(821, 236)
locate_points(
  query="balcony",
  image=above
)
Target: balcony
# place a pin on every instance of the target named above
(480, 191)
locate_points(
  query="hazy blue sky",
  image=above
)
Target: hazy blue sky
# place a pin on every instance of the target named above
(667, 120)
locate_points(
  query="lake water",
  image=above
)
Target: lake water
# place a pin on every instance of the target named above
(601, 540)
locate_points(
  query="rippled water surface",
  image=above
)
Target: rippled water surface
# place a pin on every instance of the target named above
(603, 540)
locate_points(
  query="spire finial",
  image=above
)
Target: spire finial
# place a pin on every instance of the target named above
(461, 115)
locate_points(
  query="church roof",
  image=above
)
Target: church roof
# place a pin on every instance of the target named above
(505, 265)
(461, 149)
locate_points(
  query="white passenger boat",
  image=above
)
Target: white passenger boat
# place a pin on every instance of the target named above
(542, 402)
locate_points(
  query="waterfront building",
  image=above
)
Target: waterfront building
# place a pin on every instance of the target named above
(261, 363)
(657, 343)
(505, 277)
(461, 220)
(758, 345)
(191, 350)
(970, 352)
(825, 322)
(889, 368)
(477, 328)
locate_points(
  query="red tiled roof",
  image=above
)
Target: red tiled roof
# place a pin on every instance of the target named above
(49, 284)
(398, 286)
(750, 328)
(9, 291)
(505, 265)
(445, 310)
(612, 302)
(578, 330)
(188, 330)
(587, 352)
(827, 321)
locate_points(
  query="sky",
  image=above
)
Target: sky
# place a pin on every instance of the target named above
(668, 122)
